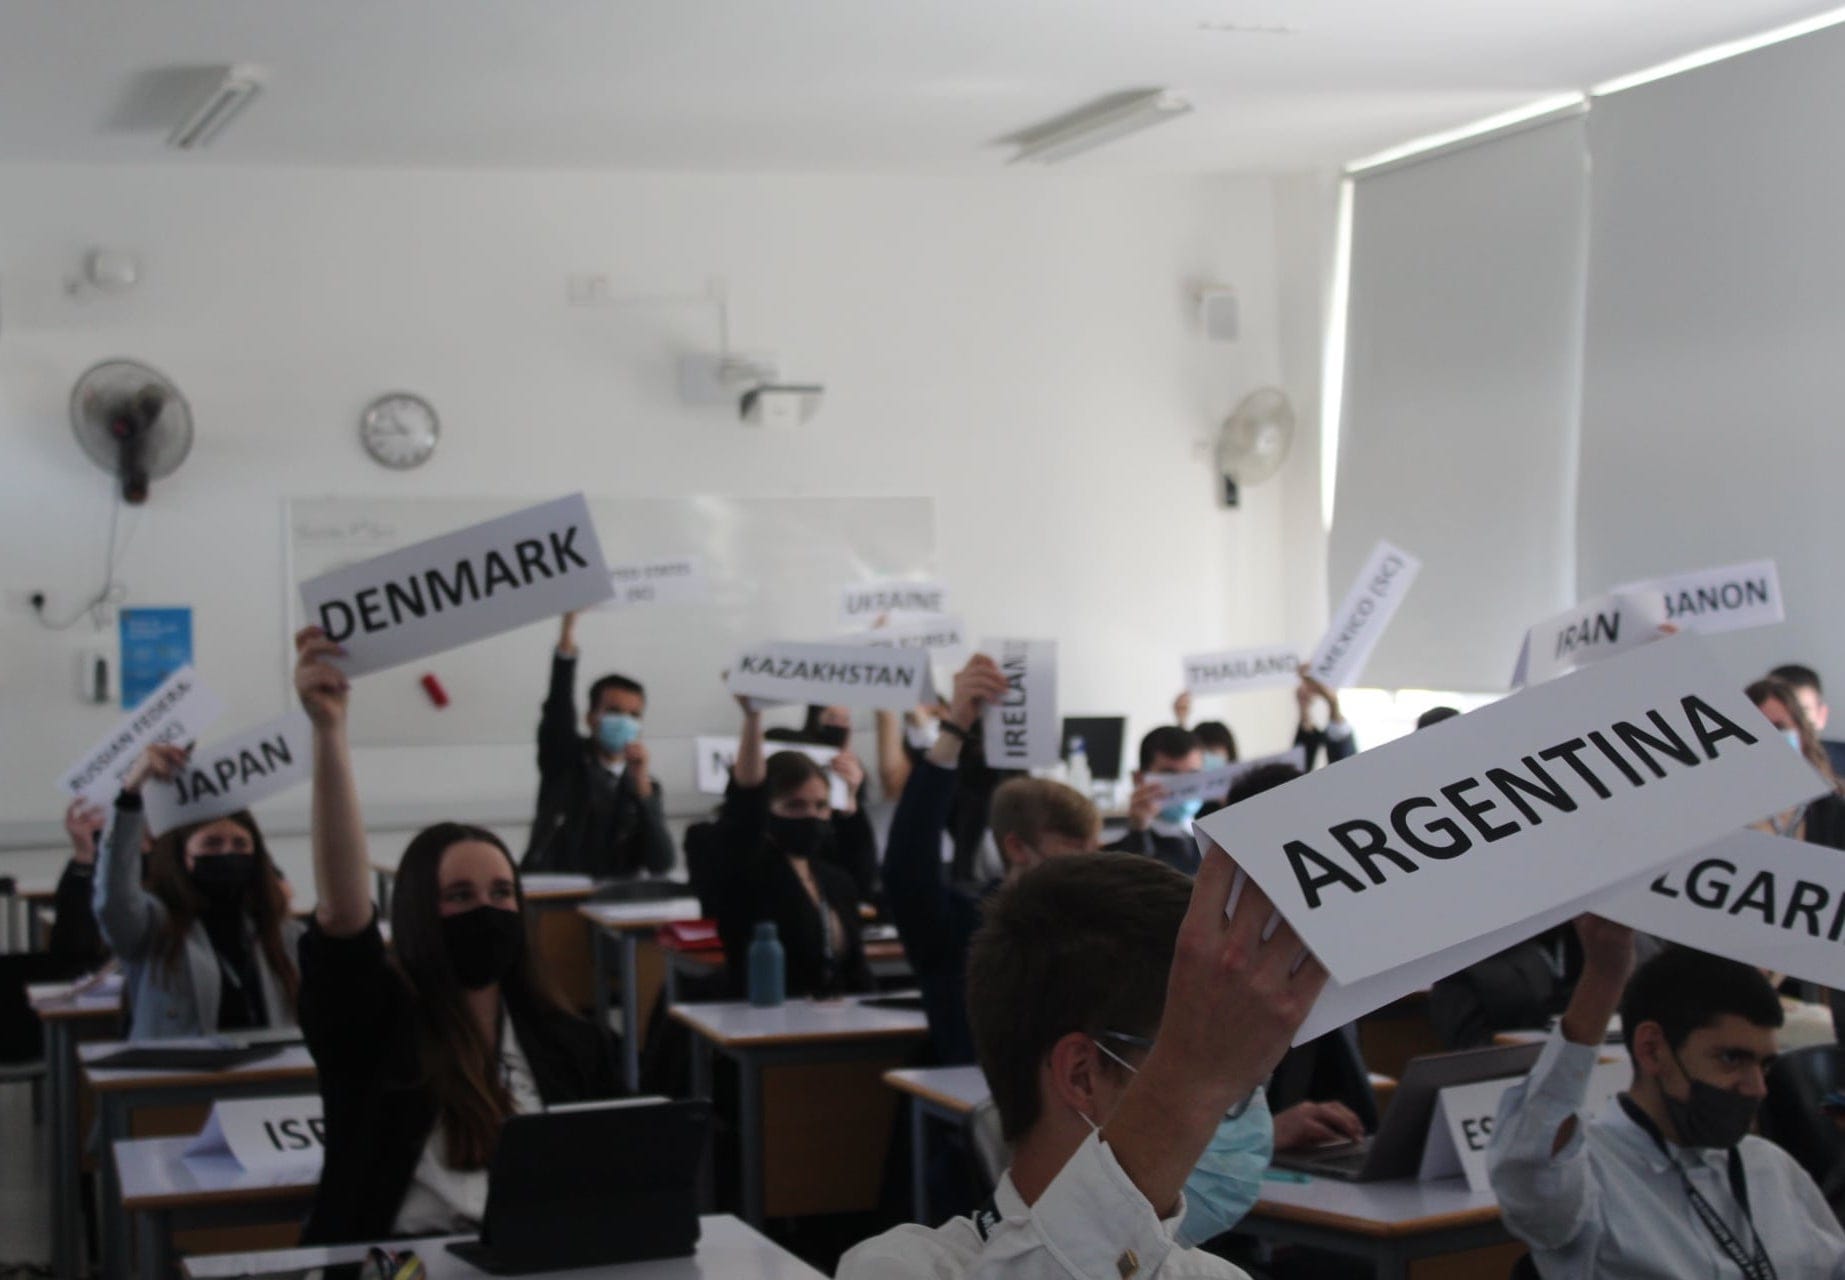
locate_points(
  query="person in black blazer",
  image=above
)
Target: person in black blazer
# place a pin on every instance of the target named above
(774, 864)
(75, 940)
(1336, 738)
(601, 812)
(854, 845)
(1156, 828)
(424, 1051)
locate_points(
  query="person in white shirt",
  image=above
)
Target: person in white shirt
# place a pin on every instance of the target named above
(1119, 1014)
(1667, 1182)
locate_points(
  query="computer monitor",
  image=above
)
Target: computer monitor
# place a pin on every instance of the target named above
(1103, 737)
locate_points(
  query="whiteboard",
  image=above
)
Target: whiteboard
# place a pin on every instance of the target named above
(776, 566)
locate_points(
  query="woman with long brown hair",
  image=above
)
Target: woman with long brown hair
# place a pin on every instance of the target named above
(423, 1051)
(206, 942)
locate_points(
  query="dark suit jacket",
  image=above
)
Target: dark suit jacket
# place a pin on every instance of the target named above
(589, 821)
(1178, 852)
(358, 1019)
(1316, 740)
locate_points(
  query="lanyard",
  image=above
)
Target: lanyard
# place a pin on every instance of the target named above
(1755, 1265)
(986, 1217)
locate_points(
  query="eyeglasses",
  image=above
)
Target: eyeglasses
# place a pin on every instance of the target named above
(1123, 1037)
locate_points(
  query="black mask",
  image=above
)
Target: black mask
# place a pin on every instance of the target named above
(484, 944)
(833, 735)
(1711, 1117)
(799, 837)
(223, 879)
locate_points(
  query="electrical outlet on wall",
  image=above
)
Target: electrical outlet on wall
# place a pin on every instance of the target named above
(96, 676)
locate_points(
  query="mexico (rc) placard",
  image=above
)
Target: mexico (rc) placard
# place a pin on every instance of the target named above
(1513, 810)
(1359, 622)
(463, 586)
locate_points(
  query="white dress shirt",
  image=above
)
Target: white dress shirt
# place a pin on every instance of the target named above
(1610, 1206)
(1092, 1221)
(441, 1200)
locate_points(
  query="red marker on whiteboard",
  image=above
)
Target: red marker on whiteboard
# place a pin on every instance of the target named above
(433, 687)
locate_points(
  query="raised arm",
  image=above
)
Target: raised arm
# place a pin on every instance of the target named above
(126, 913)
(558, 745)
(1539, 1159)
(893, 757)
(751, 768)
(342, 864)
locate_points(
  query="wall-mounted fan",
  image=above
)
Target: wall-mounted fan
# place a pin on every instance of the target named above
(131, 421)
(1253, 442)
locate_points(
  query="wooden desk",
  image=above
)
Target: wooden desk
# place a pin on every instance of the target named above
(841, 1048)
(616, 930)
(944, 1094)
(67, 1022)
(168, 1191)
(1386, 1223)
(727, 1250)
(120, 1093)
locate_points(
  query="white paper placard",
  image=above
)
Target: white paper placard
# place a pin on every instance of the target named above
(281, 1137)
(1461, 1128)
(715, 757)
(1240, 670)
(180, 710)
(1021, 730)
(1215, 784)
(1543, 798)
(843, 675)
(862, 603)
(936, 633)
(671, 580)
(1359, 622)
(233, 774)
(1768, 901)
(463, 586)
(1727, 599)
(1590, 632)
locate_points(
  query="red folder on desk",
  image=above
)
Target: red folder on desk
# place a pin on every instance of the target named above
(690, 935)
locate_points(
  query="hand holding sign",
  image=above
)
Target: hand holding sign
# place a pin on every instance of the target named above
(160, 761)
(1144, 804)
(978, 686)
(321, 686)
(852, 773)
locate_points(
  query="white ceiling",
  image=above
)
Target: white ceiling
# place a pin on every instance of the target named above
(810, 85)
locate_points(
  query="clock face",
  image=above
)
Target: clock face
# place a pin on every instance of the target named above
(400, 430)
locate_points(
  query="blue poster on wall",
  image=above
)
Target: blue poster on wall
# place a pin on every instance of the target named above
(155, 644)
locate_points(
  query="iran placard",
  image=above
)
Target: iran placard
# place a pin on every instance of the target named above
(463, 586)
(1513, 810)
(234, 774)
(1359, 622)
(1590, 632)
(179, 711)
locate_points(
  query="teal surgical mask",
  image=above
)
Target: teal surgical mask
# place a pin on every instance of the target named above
(1227, 1181)
(1216, 759)
(1181, 812)
(1793, 739)
(616, 731)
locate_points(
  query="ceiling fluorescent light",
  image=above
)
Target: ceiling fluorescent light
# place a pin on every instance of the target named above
(1087, 130)
(1718, 52)
(1557, 105)
(232, 94)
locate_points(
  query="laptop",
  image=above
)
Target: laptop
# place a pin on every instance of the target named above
(1395, 1150)
(592, 1185)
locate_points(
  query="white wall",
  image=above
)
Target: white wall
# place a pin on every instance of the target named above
(1020, 348)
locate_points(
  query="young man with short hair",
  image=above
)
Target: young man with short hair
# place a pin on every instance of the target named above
(1157, 826)
(1812, 697)
(600, 812)
(1667, 1182)
(1120, 1014)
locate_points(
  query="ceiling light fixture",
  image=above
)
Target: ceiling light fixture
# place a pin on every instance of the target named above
(1086, 130)
(234, 92)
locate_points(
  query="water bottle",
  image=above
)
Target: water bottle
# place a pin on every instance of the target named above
(1078, 763)
(768, 968)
